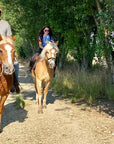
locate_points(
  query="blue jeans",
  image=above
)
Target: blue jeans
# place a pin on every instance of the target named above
(40, 50)
(16, 67)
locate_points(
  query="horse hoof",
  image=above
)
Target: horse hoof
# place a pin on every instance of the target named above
(40, 111)
(36, 102)
(1, 129)
(45, 106)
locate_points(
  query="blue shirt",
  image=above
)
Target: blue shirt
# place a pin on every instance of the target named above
(45, 39)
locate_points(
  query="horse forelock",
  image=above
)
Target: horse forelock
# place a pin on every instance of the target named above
(8, 48)
(6, 40)
(50, 45)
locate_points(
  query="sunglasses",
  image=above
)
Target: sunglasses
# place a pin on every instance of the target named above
(46, 30)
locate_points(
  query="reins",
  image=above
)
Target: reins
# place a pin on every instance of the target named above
(2, 69)
(51, 58)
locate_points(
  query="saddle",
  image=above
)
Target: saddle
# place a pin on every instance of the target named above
(33, 61)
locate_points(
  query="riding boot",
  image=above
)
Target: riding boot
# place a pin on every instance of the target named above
(15, 87)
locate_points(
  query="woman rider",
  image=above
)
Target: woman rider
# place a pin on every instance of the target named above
(45, 35)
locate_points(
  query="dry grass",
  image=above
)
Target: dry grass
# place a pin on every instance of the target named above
(87, 86)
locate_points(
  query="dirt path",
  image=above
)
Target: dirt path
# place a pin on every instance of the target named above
(61, 122)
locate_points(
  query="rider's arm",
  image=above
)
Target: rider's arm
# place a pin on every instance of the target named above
(40, 42)
(40, 45)
(51, 39)
(8, 30)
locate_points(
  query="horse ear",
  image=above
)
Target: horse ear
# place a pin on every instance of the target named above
(13, 38)
(57, 43)
(0, 37)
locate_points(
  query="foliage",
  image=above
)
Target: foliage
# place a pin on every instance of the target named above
(110, 92)
(72, 22)
(19, 103)
(105, 22)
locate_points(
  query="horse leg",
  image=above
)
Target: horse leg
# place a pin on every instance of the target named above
(2, 101)
(37, 101)
(45, 94)
(38, 87)
(36, 91)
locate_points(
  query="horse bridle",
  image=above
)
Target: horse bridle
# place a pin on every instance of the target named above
(51, 58)
(2, 69)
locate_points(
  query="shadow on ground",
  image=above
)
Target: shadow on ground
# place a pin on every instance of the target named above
(32, 95)
(11, 114)
(101, 105)
(24, 79)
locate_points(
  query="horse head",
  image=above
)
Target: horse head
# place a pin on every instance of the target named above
(49, 53)
(7, 52)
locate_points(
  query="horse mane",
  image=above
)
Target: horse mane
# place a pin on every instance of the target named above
(50, 45)
(7, 40)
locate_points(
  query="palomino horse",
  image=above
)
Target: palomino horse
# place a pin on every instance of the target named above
(6, 70)
(44, 72)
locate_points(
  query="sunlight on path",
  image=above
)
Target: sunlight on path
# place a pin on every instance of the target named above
(61, 123)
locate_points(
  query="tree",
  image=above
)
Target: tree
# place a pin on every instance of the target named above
(105, 28)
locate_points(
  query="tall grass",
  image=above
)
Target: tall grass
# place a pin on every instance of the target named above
(87, 86)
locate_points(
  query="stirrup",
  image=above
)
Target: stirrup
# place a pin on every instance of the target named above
(55, 76)
(27, 72)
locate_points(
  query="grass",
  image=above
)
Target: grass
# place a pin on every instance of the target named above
(87, 86)
(110, 92)
(19, 103)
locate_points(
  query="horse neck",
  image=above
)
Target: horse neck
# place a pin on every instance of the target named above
(46, 63)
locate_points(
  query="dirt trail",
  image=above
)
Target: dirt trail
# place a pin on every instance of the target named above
(61, 122)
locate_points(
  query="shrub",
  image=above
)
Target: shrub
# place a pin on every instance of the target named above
(19, 103)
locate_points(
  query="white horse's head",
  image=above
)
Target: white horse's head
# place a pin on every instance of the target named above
(6, 55)
(49, 53)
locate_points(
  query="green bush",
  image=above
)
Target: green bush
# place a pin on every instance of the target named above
(110, 92)
(19, 103)
(24, 48)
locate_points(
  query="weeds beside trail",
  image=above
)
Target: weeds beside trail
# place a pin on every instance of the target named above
(61, 123)
(87, 86)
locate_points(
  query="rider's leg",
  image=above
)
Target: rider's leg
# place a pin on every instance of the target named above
(15, 86)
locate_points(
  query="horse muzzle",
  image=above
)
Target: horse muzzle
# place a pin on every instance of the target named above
(8, 69)
(51, 63)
